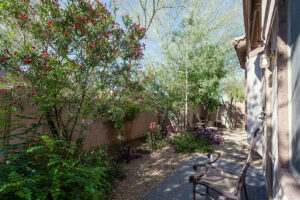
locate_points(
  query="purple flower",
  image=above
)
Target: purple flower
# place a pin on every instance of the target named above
(210, 135)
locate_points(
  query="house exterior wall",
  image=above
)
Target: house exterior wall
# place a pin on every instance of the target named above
(280, 40)
(268, 15)
(254, 99)
(294, 89)
(283, 158)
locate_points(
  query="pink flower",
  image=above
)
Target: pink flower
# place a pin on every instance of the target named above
(26, 61)
(153, 126)
(49, 23)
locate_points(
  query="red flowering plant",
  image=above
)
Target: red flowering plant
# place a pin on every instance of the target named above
(152, 127)
(66, 55)
(154, 137)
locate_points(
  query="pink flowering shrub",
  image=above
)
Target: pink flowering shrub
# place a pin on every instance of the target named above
(64, 56)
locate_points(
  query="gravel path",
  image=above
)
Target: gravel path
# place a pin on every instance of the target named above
(146, 173)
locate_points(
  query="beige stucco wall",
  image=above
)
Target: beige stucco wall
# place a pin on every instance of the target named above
(28, 111)
(141, 123)
(238, 112)
(98, 132)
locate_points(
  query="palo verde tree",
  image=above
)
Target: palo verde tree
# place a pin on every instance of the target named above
(195, 67)
(63, 56)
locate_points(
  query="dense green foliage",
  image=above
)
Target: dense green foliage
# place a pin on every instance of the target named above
(78, 61)
(53, 169)
(187, 142)
(155, 141)
(64, 56)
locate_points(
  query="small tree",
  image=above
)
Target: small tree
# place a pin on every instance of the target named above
(196, 67)
(65, 55)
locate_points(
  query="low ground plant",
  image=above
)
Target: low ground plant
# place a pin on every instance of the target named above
(155, 139)
(189, 142)
(51, 169)
(210, 135)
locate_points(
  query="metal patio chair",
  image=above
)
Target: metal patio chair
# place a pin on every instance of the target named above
(227, 184)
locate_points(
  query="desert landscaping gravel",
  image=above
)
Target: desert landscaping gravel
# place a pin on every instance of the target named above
(147, 172)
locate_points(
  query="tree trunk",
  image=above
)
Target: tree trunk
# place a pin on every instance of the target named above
(186, 97)
(128, 129)
(51, 124)
(113, 134)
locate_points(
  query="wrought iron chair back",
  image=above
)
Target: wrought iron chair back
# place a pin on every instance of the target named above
(240, 186)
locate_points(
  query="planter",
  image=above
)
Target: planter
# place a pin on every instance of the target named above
(128, 129)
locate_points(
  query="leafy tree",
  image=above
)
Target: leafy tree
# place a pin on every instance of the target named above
(209, 30)
(196, 65)
(65, 56)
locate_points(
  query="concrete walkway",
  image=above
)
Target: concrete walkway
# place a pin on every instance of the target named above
(177, 187)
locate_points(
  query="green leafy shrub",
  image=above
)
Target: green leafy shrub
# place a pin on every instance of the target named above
(154, 138)
(50, 169)
(187, 142)
(156, 141)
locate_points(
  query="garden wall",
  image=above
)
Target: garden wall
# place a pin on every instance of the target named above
(97, 133)
(238, 113)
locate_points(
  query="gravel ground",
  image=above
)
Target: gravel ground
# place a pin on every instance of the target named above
(145, 173)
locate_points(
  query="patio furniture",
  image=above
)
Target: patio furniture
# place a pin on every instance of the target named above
(227, 184)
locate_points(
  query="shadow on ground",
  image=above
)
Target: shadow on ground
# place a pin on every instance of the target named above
(177, 187)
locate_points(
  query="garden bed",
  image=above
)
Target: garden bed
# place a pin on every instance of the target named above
(145, 173)
(148, 171)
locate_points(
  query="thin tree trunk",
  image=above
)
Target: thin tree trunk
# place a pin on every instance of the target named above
(51, 124)
(186, 95)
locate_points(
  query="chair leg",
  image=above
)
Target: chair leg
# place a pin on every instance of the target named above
(194, 191)
(245, 190)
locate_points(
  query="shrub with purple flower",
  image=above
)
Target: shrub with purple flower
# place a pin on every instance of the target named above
(210, 135)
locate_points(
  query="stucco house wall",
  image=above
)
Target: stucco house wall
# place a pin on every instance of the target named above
(254, 100)
(276, 33)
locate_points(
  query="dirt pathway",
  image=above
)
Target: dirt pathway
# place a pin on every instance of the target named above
(145, 173)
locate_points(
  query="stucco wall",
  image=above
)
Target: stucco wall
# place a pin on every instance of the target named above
(238, 114)
(254, 99)
(97, 133)
(27, 118)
